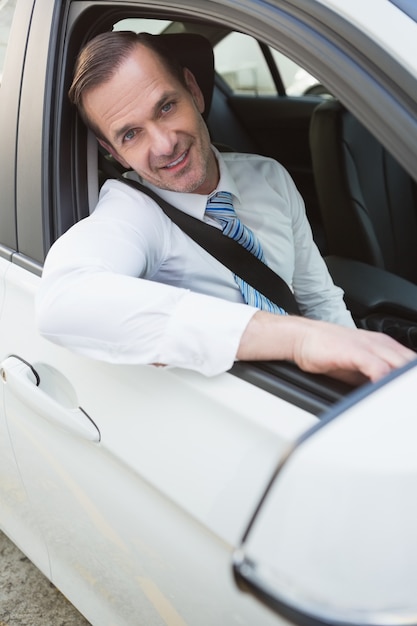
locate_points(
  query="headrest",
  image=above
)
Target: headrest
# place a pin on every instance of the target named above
(195, 52)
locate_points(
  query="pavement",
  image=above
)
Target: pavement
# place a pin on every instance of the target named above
(27, 598)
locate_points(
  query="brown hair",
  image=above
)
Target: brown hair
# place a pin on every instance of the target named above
(102, 56)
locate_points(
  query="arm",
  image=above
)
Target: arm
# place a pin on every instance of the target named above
(92, 302)
(91, 299)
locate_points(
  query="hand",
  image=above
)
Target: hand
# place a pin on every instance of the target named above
(349, 354)
(352, 355)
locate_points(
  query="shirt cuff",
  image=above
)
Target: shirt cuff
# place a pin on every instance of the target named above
(204, 333)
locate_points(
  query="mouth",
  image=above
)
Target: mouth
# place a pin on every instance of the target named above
(177, 162)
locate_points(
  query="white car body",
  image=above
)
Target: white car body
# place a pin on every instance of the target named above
(142, 492)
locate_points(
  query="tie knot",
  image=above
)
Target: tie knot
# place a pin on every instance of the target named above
(220, 206)
(222, 196)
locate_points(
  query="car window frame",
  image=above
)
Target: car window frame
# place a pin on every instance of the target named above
(11, 84)
(66, 200)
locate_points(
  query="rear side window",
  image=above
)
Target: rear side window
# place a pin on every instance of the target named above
(242, 64)
(7, 8)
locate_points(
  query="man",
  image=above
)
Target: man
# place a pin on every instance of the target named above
(126, 285)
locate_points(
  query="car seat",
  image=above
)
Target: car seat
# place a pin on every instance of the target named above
(367, 200)
(195, 52)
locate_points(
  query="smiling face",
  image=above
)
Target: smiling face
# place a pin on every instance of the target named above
(153, 124)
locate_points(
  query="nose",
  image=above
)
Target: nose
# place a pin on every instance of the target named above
(162, 141)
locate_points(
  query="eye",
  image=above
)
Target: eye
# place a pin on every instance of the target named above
(167, 107)
(129, 135)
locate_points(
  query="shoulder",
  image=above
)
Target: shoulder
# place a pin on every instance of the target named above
(251, 170)
(121, 201)
(116, 190)
(256, 163)
(126, 230)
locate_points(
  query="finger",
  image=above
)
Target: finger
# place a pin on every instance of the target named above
(355, 379)
(394, 353)
(384, 357)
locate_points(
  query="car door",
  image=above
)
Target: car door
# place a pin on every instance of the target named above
(17, 517)
(141, 480)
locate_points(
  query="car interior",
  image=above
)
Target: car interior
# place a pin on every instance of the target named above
(360, 203)
(375, 221)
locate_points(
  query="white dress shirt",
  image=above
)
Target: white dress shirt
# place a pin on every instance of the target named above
(126, 285)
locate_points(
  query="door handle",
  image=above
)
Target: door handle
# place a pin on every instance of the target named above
(49, 394)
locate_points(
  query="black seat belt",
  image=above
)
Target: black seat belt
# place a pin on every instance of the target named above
(228, 251)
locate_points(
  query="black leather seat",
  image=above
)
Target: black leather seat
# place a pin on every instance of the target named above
(368, 202)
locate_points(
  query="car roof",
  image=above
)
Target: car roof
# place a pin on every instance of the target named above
(391, 24)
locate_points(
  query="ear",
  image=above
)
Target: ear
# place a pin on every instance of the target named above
(114, 153)
(194, 89)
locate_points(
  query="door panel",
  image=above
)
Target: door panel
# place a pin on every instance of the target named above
(143, 497)
(17, 518)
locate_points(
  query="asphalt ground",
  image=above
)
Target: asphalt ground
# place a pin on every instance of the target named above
(27, 598)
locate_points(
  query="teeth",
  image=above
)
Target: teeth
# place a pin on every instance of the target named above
(174, 163)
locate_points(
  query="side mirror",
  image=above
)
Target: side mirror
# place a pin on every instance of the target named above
(334, 541)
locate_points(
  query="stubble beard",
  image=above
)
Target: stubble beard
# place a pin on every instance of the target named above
(186, 183)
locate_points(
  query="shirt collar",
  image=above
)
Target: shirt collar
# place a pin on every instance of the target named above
(193, 203)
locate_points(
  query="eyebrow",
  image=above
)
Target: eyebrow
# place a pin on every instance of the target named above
(166, 97)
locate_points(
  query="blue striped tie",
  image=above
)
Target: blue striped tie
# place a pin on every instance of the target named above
(220, 208)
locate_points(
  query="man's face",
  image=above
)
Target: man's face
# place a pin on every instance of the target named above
(153, 124)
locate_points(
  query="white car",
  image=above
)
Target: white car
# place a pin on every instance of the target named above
(263, 496)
